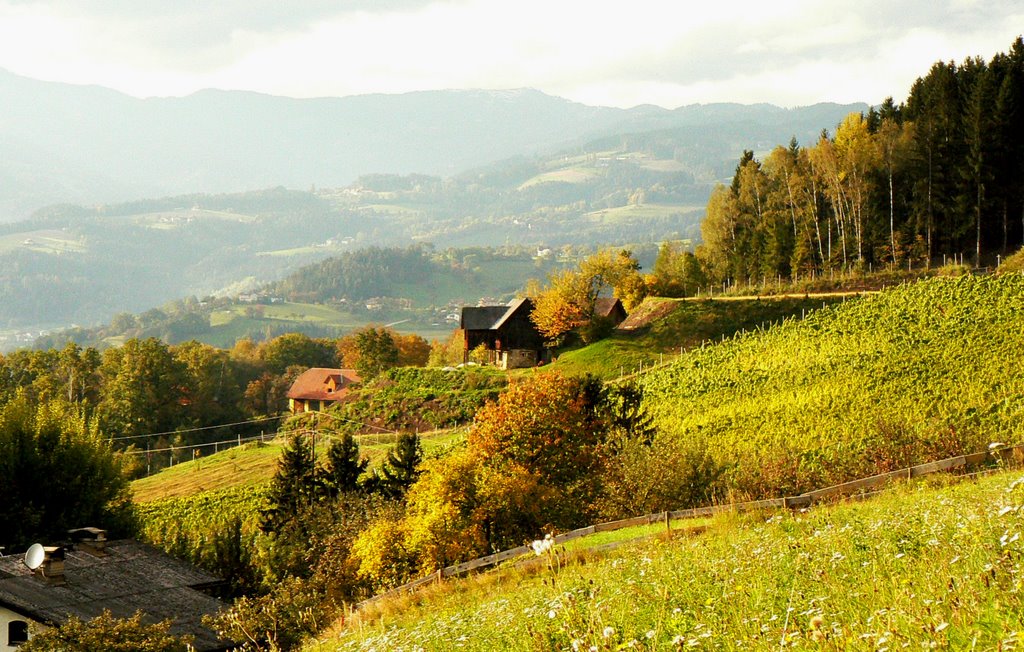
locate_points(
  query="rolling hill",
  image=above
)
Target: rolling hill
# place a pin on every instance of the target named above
(67, 143)
(450, 168)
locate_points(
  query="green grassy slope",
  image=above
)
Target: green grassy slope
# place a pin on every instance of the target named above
(251, 465)
(925, 370)
(681, 324)
(919, 567)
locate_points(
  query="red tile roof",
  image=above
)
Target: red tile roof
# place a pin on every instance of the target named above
(314, 384)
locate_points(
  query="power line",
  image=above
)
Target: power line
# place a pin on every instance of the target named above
(240, 440)
(175, 432)
(237, 440)
(358, 423)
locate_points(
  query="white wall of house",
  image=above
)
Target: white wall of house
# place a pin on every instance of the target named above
(6, 618)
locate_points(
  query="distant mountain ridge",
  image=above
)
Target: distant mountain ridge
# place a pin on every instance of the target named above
(88, 144)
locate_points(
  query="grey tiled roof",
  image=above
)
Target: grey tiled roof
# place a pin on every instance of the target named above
(131, 577)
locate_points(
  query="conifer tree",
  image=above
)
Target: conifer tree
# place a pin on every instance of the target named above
(344, 465)
(295, 483)
(399, 469)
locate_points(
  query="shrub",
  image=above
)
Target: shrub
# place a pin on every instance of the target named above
(105, 633)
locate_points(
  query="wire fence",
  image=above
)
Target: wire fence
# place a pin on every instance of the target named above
(999, 455)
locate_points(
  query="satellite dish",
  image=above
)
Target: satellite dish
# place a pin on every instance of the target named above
(34, 556)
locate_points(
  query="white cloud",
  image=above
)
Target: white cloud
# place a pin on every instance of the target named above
(646, 51)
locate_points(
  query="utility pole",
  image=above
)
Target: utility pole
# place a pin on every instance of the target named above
(312, 461)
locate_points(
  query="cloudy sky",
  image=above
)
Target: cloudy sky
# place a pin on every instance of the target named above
(664, 52)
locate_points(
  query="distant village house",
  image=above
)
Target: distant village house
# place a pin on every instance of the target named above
(319, 387)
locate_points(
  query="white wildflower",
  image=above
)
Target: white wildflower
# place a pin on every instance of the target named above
(541, 546)
(608, 632)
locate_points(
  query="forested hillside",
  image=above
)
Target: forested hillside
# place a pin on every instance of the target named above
(929, 179)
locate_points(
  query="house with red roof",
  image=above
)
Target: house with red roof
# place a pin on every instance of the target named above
(319, 387)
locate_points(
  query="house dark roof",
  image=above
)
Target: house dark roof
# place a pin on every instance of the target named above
(131, 577)
(312, 384)
(513, 308)
(490, 318)
(482, 318)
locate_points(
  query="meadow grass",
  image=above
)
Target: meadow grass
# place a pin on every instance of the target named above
(254, 464)
(245, 465)
(639, 212)
(676, 528)
(921, 566)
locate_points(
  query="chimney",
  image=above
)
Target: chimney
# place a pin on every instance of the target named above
(52, 568)
(89, 539)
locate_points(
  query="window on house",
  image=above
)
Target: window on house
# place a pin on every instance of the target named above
(17, 632)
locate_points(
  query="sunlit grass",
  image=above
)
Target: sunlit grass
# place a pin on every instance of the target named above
(640, 212)
(921, 566)
(253, 464)
(687, 325)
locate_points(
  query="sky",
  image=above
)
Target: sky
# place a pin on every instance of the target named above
(600, 52)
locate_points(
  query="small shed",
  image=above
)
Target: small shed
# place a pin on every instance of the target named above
(319, 387)
(91, 575)
(506, 332)
(610, 308)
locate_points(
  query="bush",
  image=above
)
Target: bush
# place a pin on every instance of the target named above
(105, 633)
(552, 427)
(381, 554)
(277, 621)
(666, 474)
(1014, 263)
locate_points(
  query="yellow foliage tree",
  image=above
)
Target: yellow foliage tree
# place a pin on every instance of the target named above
(567, 303)
(441, 524)
(381, 555)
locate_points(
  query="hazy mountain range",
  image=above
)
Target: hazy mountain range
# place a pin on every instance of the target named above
(111, 203)
(85, 144)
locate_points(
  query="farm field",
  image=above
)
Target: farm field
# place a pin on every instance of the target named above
(230, 324)
(46, 241)
(921, 371)
(640, 212)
